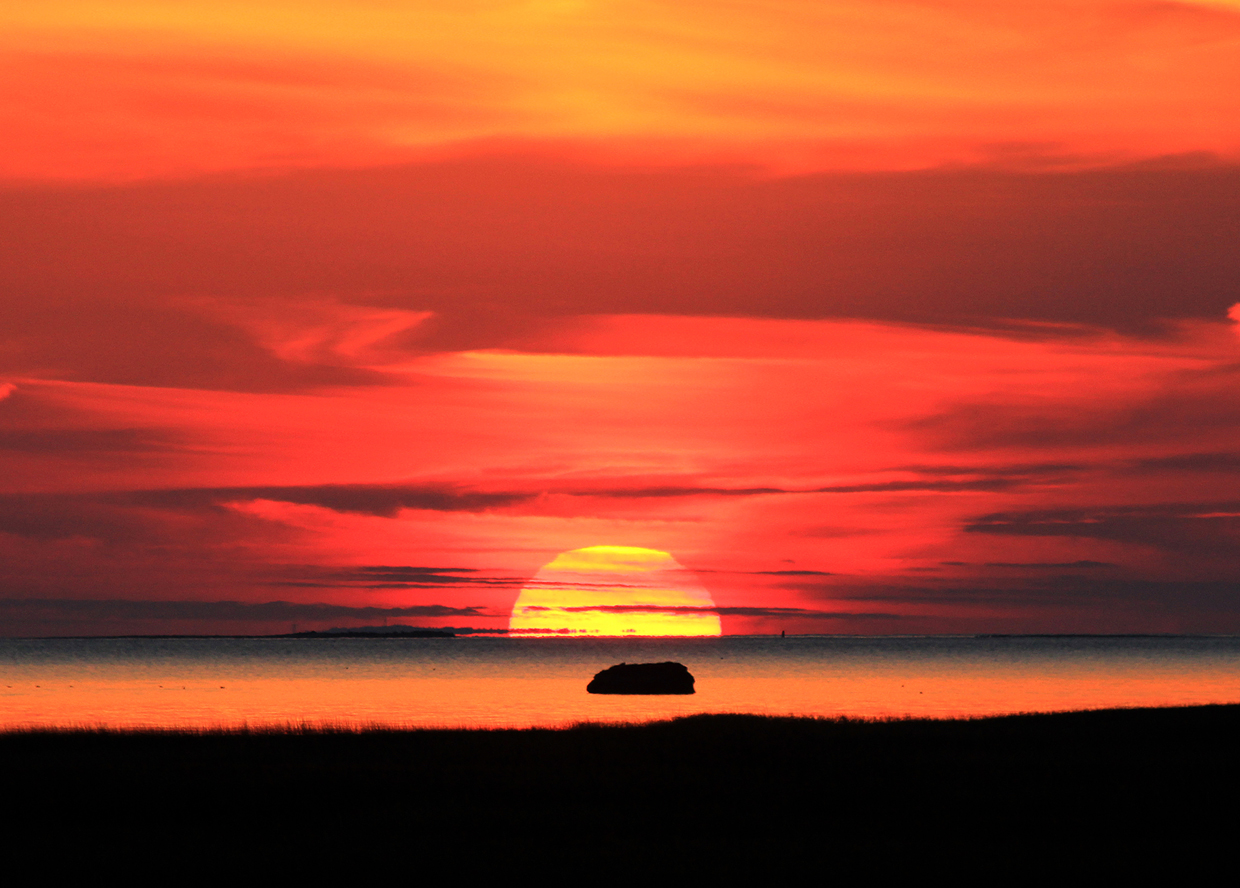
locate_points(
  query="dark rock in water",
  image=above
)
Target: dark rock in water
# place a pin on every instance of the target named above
(643, 678)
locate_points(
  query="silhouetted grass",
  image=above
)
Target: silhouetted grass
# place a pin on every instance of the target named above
(729, 792)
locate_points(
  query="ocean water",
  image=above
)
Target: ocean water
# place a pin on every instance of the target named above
(493, 682)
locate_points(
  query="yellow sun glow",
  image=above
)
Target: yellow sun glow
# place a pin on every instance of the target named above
(614, 590)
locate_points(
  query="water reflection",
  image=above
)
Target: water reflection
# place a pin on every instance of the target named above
(516, 682)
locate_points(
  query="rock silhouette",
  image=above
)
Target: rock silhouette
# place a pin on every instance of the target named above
(643, 678)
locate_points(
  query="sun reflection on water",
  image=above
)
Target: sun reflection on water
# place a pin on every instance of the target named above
(509, 682)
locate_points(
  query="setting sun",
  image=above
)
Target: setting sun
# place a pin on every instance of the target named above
(614, 590)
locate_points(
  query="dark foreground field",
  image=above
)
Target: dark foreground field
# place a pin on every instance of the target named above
(707, 794)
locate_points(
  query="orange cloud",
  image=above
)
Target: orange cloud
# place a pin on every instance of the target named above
(130, 89)
(918, 479)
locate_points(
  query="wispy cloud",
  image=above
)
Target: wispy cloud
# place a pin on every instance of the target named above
(122, 610)
(1182, 527)
(730, 611)
(398, 577)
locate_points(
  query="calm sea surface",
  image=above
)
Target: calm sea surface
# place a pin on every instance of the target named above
(478, 682)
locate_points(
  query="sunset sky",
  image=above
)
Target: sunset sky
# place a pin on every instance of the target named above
(878, 317)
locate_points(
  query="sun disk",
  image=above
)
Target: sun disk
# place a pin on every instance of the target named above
(614, 591)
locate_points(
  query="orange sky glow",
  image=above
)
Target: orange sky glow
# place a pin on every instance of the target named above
(878, 317)
(132, 89)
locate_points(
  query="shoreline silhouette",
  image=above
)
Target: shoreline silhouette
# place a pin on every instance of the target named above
(706, 792)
